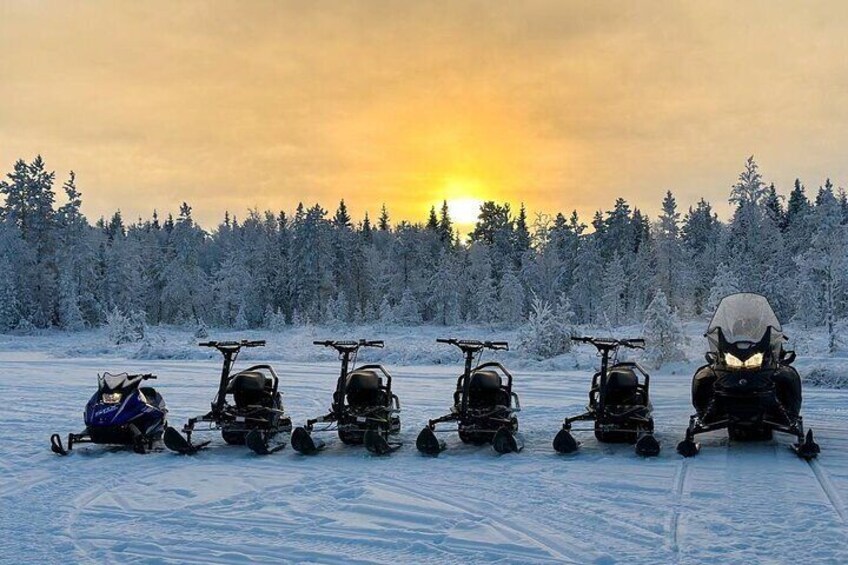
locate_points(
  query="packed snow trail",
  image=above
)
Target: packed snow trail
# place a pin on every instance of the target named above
(604, 504)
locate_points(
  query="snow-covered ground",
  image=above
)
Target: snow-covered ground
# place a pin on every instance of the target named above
(733, 503)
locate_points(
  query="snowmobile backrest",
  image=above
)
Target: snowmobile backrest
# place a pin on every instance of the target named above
(363, 388)
(255, 385)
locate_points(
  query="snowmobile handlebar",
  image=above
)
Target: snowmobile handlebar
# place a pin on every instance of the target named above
(350, 345)
(610, 343)
(474, 344)
(233, 344)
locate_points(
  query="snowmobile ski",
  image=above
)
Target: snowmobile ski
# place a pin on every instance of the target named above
(507, 442)
(648, 446)
(56, 445)
(807, 450)
(428, 443)
(259, 443)
(175, 441)
(376, 444)
(688, 448)
(303, 442)
(564, 442)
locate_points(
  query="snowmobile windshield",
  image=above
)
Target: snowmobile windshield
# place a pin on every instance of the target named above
(744, 317)
(113, 382)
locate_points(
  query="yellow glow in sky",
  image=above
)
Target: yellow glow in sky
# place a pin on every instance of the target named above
(559, 104)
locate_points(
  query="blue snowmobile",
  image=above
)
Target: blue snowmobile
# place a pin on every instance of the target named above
(121, 412)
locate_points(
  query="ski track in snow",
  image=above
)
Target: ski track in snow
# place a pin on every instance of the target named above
(732, 503)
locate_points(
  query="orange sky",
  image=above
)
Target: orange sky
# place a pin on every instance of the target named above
(560, 104)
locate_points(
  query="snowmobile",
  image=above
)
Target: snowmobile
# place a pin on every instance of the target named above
(248, 408)
(364, 409)
(484, 407)
(121, 412)
(749, 385)
(619, 404)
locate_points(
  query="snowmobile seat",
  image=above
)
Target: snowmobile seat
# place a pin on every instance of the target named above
(622, 387)
(363, 388)
(251, 388)
(485, 380)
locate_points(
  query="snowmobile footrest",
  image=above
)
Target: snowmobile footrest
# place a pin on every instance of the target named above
(564, 442)
(56, 445)
(688, 448)
(377, 444)
(428, 443)
(648, 446)
(507, 442)
(175, 441)
(303, 442)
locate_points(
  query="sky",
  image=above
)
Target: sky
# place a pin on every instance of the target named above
(560, 105)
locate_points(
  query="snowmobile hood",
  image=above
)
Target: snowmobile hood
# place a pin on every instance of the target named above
(744, 318)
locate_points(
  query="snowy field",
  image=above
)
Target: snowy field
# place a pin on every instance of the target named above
(733, 503)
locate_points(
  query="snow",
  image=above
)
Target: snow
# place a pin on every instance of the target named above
(732, 503)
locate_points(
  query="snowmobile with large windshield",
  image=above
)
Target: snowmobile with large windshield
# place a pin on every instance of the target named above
(248, 408)
(364, 409)
(748, 386)
(619, 402)
(121, 412)
(484, 407)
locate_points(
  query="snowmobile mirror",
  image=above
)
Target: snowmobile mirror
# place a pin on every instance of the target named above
(787, 357)
(711, 357)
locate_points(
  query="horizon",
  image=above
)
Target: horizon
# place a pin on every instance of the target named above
(561, 106)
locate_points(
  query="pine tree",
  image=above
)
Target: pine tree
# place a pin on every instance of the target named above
(383, 222)
(510, 299)
(663, 332)
(614, 291)
(723, 284)
(407, 312)
(445, 228)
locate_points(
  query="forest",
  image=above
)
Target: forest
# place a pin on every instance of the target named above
(312, 266)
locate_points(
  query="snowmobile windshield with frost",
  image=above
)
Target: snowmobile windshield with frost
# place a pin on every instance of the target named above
(744, 317)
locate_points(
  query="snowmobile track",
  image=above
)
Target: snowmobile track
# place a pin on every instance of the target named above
(679, 486)
(550, 546)
(829, 489)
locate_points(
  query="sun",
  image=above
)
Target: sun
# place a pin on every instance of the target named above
(464, 211)
(463, 197)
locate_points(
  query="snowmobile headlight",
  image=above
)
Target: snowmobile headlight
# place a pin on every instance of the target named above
(111, 397)
(755, 361)
(733, 362)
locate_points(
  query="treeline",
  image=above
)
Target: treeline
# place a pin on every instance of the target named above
(313, 266)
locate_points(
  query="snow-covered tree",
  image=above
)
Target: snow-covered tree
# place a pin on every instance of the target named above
(510, 299)
(724, 283)
(663, 332)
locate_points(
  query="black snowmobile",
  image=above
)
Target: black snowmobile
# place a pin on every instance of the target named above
(484, 407)
(248, 408)
(619, 403)
(364, 408)
(749, 385)
(121, 412)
